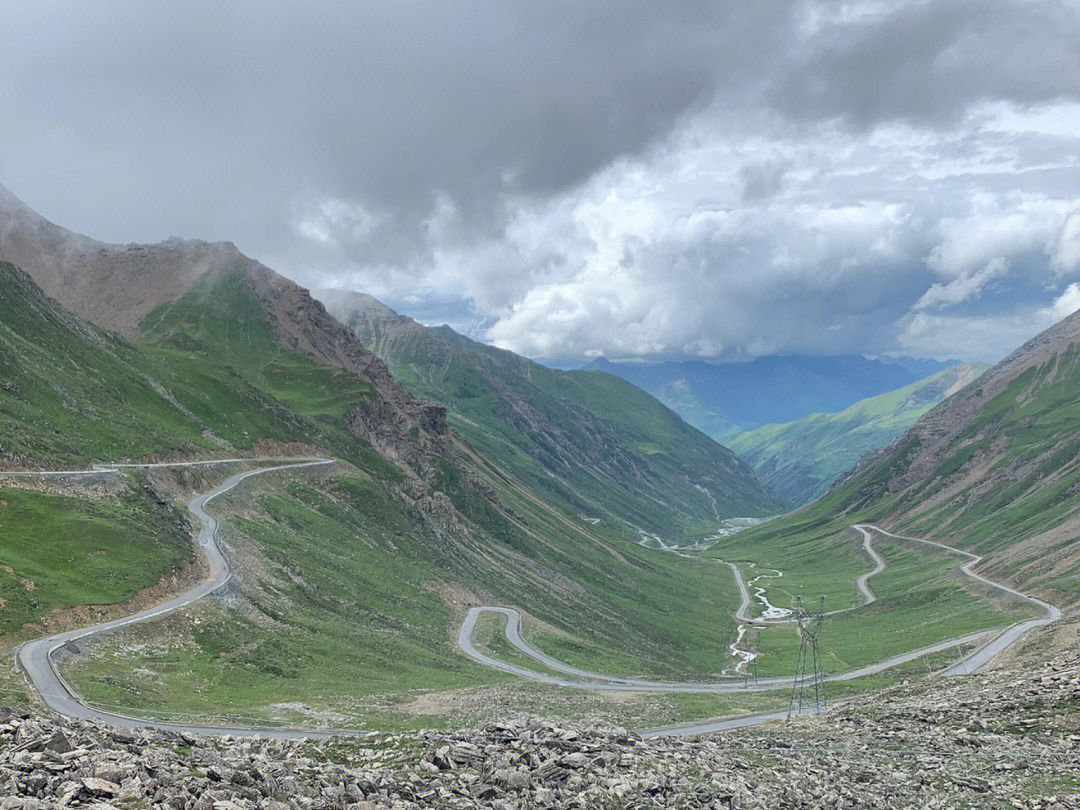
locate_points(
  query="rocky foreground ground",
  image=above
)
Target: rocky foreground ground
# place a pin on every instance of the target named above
(1010, 739)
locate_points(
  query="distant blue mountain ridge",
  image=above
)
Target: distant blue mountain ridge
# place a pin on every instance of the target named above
(725, 398)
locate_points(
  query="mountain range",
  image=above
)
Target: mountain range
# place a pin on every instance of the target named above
(586, 437)
(801, 459)
(188, 349)
(468, 475)
(725, 398)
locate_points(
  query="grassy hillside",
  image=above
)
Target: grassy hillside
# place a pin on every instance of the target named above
(921, 596)
(346, 605)
(589, 440)
(71, 392)
(349, 585)
(216, 352)
(800, 459)
(208, 376)
(63, 551)
(994, 469)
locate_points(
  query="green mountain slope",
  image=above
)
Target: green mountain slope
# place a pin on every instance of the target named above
(993, 469)
(361, 571)
(591, 440)
(800, 459)
(70, 391)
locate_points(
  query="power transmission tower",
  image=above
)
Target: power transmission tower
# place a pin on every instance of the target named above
(808, 688)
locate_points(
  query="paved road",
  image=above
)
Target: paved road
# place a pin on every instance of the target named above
(994, 641)
(879, 566)
(984, 655)
(742, 614)
(38, 657)
(108, 469)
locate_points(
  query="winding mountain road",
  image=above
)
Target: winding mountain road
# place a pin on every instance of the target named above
(38, 661)
(879, 565)
(988, 652)
(995, 641)
(38, 657)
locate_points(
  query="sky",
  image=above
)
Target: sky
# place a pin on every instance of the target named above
(571, 178)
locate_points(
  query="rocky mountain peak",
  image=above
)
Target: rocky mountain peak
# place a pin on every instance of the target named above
(113, 286)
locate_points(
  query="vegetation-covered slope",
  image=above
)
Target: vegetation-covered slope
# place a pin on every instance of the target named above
(993, 469)
(800, 459)
(726, 398)
(60, 551)
(593, 441)
(343, 595)
(362, 575)
(72, 392)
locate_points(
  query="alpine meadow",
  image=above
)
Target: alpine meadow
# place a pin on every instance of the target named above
(575, 405)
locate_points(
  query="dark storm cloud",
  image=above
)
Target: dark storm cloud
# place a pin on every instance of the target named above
(927, 62)
(380, 103)
(568, 176)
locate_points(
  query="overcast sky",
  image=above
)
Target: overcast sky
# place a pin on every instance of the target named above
(573, 178)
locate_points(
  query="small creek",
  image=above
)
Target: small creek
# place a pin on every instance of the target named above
(771, 611)
(744, 656)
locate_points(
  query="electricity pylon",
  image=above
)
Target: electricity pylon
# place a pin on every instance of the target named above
(808, 688)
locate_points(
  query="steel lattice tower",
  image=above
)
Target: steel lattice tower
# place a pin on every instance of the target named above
(808, 688)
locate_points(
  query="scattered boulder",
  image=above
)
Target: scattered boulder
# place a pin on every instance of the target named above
(1006, 739)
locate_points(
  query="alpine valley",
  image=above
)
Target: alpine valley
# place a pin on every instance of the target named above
(229, 508)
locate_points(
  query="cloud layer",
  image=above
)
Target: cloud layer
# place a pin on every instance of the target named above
(715, 179)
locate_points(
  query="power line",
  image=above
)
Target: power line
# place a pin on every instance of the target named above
(808, 688)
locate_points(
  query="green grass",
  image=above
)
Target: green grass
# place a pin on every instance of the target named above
(801, 459)
(344, 613)
(692, 616)
(921, 597)
(209, 373)
(72, 392)
(221, 320)
(69, 551)
(589, 442)
(489, 636)
(1011, 472)
(690, 707)
(347, 594)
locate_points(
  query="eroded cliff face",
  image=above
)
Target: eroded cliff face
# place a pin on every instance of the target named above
(556, 444)
(400, 427)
